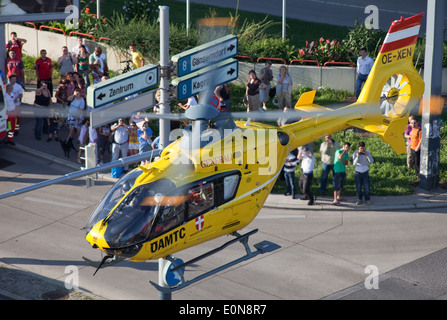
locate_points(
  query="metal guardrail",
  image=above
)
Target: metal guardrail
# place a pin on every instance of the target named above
(52, 28)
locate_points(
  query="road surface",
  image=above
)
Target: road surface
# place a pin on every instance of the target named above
(341, 13)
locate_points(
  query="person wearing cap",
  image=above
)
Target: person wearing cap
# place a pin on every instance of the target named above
(307, 165)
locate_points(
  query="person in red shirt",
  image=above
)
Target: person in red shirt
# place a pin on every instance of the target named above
(43, 68)
(16, 44)
(15, 66)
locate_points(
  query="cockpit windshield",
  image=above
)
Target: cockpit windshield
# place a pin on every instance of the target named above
(112, 197)
(131, 221)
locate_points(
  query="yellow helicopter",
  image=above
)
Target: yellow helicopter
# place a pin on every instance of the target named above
(215, 177)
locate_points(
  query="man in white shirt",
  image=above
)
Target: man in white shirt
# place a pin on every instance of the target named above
(99, 57)
(17, 92)
(120, 141)
(361, 160)
(191, 102)
(75, 50)
(307, 165)
(364, 66)
(10, 101)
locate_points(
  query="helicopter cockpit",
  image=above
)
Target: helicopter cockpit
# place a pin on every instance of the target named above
(151, 209)
(113, 196)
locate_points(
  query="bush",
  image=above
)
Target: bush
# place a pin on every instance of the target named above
(272, 48)
(123, 32)
(362, 37)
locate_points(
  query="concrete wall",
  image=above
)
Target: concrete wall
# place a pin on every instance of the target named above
(340, 78)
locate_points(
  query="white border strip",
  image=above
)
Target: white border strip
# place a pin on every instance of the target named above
(402, 34)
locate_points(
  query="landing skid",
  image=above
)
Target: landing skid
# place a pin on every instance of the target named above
(262, 247)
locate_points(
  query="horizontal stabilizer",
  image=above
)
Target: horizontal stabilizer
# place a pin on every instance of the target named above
(391, 133)
(306, 104)
(307, 98)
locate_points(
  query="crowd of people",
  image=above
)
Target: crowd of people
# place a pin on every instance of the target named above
(335, 159)
(78, 69)
(259, 89)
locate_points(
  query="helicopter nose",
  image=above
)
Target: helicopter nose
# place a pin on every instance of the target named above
(96, 237)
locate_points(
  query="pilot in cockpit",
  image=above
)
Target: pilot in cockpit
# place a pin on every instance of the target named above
(143, 200)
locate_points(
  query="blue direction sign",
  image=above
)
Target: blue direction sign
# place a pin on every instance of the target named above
(205, 55)
(207, 78)
(121, 86)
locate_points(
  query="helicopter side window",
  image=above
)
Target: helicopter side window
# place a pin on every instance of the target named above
(200, 199)
(230, 186)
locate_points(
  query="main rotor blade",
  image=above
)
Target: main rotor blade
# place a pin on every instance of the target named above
(86, 172)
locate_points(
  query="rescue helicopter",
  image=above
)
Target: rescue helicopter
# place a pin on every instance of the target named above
(215, 176)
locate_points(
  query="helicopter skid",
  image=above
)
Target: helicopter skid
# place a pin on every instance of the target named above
(262, 247)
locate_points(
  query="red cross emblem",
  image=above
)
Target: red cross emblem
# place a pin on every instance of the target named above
(199, 222)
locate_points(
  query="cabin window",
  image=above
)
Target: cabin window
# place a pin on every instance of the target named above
(230, 186)
(200, 199)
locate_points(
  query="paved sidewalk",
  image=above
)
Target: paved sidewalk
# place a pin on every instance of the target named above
(420, 200)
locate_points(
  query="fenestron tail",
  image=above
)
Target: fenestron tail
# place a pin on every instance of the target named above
(393, 84)
(391, 91)
(393, 78)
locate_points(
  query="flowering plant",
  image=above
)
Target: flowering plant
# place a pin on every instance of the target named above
(325, 50)
(89, 22)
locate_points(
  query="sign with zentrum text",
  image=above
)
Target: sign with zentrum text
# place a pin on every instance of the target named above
(119, 87)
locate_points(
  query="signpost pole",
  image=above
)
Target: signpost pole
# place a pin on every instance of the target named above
(3, 52)
(98, 8)
(431, 118)
(284, 19)
(165, 108)
(165, 125)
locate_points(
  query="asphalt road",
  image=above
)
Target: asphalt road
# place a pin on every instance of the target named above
(342, 13)
(322, 254)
